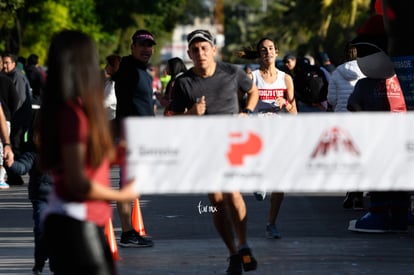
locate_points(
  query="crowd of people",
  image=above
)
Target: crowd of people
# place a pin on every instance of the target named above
(69, 166)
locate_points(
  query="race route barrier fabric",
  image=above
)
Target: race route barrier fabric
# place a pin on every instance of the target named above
(303, 153)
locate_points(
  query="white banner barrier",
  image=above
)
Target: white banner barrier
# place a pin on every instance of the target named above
(303, 153)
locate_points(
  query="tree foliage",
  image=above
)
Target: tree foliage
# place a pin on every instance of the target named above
(27, 26)
(40, 20)
(8, 23)
(305, 27)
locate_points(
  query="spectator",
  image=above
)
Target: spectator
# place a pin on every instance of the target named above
(6, 153)
(36, 77)
(39, 187)
(133, 90)
(156, 85)
(326, 63)
(76, 147)
(111, 67)
(8, 98)
(340, 86)
(379, 91)
(175, 67)
(343, 80)
(310, 82)
(21, 119)
(248, 68)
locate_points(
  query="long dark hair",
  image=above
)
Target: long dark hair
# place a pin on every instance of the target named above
(253, 53)
(73, 75)
(176, 66)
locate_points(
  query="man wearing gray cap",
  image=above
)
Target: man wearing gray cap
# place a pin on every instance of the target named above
(213, 88)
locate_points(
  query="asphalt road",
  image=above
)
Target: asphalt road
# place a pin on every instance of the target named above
(314, 228)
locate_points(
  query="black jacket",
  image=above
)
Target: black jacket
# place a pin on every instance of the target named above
(40, 184)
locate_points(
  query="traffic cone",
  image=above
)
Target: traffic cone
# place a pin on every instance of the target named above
(137, 221)
(110, 238)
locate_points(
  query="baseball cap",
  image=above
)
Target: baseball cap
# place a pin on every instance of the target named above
(201, 35)
(143, 35)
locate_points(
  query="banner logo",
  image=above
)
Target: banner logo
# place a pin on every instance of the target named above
(335, 152)
(334, 140)
(242, 146)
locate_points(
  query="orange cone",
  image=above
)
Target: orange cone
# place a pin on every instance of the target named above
(137, 221)
(110, 238)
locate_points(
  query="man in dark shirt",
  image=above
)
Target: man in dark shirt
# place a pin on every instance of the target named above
(21, 119)
(133, 91)
(36, 77)
(8, 97)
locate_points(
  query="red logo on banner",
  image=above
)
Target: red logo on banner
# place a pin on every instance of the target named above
(395, 95)
(337, 140)
(247, 147)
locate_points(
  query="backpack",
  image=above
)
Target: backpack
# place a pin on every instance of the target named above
(310, 83)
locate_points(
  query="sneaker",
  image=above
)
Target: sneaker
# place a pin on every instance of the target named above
(235, 265)
(272, 232)
(133, 239)
(370, 223)
(260, 196)
(36, 271)
(4, 185)
(248, 261)
(38, 267)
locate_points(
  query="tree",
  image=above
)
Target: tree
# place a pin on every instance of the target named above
(42, 19)
(304, 26)
(28, 26)
(9, 25)
(240, 16)
(307, 27)
(160, 17)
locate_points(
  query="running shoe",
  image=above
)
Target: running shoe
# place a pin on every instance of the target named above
(38, 267)
(248, 261)
(4, 185)
(371, 223)
(272, 232)
(133, 239)
(36, 271)
(235, 265)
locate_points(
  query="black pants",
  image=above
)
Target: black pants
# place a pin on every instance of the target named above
(77, 247)
(40, 253)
